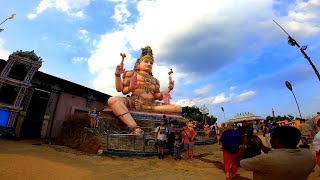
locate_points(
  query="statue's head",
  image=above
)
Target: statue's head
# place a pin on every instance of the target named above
(145, 57)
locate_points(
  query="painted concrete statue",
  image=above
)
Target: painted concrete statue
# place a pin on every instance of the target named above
(144, 89)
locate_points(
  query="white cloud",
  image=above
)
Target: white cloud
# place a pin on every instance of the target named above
(78, 60)
(220, 98)
(31, 16)
(121, 13)
(185, 102)
(84, 35)
(204, 90)
(232, 88)
(305, 10)
(302, 19)
(79, 14)
(245, 96)
(67, 46)
(175, 41)
(216, 100)
(73, 8)
(4, 53)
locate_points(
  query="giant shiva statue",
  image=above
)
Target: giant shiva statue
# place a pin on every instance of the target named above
(144, 89)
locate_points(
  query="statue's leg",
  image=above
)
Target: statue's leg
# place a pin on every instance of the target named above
(164, 108)
(119, 108)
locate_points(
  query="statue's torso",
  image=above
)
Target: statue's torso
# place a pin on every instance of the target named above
(147, 85)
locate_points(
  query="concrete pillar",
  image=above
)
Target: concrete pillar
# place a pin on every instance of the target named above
(20, 120)
(50, 110)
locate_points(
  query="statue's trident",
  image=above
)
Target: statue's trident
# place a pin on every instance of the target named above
(123, 55)
(293, 42)
(170, 72)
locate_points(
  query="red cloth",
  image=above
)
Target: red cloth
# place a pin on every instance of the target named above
(318, 159)
(229, 160)
(188, 133)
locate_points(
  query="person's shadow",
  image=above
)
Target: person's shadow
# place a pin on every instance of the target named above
(217, 164)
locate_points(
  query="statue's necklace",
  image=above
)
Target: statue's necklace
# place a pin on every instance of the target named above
(147, 80)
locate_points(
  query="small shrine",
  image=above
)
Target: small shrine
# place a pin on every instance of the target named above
(246, 116)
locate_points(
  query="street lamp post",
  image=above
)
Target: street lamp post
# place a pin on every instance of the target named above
(204, 110)
(273, 117)
(302, 49)
(289, 86)
(8, 18)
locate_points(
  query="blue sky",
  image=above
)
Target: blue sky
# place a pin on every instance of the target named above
(224, 53)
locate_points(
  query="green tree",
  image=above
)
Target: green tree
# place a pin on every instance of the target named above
(269, 118)
(290, 117)
(194, 113)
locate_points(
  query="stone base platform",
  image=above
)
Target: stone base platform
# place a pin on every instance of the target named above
(149, 115)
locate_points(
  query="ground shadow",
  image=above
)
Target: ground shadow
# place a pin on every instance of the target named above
(217, 164)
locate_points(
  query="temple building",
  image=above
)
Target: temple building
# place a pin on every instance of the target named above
(34, 104)
(249, 117)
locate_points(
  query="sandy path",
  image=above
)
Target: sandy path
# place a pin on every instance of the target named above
(22, 160)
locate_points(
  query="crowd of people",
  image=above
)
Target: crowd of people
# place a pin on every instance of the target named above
(287, 153)
(176, 139)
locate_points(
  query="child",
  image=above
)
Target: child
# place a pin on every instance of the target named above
(177, 144)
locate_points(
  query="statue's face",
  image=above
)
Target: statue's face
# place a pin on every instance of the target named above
(146, 65)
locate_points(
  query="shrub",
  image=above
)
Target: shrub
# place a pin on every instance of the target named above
(77, 120)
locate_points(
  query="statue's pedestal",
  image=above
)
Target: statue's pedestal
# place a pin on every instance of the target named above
(149, 115)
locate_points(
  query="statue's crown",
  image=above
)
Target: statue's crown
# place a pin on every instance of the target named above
(146, 52)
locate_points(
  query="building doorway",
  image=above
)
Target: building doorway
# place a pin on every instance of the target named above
(32, 124)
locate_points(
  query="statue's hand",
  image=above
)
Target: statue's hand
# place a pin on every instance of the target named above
(166, 97)
(171, 84)
(134, 83)
(120, 69)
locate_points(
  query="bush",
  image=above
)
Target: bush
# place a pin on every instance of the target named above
(77, 120)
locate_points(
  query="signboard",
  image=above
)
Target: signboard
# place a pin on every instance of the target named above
(4, 116)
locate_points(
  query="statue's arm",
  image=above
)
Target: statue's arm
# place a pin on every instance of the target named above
(118, 81)
(158, 94)
(119, 85)
(126, 82)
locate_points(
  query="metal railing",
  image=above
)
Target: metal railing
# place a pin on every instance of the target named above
(201, 136)
(144, 143)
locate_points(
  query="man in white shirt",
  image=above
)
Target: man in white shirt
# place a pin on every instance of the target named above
(285, 161)
(161, 138)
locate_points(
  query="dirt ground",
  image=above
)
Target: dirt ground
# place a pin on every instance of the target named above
(30, 160)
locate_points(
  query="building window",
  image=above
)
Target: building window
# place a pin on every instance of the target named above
(8, 93)
(19, 71)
